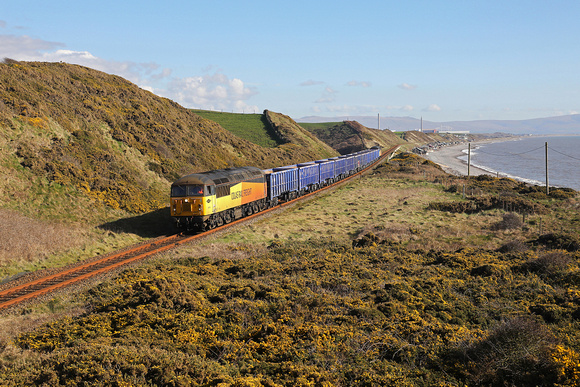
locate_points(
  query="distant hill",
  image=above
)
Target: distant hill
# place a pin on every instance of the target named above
(350, 136)
(569, 124)
(70, 130)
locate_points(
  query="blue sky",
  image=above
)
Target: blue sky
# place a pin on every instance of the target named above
(440, 60)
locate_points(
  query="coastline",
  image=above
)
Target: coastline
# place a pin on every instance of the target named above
(448, 159)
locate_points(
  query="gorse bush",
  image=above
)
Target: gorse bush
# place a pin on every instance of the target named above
(559, 241)
(316, 313)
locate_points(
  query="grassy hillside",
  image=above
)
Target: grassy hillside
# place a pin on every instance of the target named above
(251, 127)
(392, 279)
(81, 148)
(420, 138)
(294, 136)
(350, 136)
(114, 142)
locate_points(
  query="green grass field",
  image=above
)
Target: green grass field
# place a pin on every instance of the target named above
(250, 127)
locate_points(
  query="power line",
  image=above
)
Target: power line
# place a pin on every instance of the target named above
(563, 154)
(509, 154)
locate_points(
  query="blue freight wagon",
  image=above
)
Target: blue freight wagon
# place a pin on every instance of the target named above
(340, 167)
(327, 173)
(282, 182)
(308, 176)
(349, 164)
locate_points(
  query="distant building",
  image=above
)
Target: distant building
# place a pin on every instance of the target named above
(454, 131)
(430, 131)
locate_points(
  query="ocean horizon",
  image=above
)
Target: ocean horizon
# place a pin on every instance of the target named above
(524, 159)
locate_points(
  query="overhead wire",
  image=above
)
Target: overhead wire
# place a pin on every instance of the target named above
(563, 154)
(509, 154)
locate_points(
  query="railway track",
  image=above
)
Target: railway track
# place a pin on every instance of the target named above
(23, 292)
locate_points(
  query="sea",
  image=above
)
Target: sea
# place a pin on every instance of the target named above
(524, 159)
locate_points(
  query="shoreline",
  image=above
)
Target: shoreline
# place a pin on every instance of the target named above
(448, 159)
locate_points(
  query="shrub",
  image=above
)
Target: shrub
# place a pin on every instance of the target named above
(559, 241)
(550, 263)
(368, 239)
(515, 246)
(562, 193)
(516, 352)
(510, 221)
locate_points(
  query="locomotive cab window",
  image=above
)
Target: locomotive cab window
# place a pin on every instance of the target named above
(195, 190)
(178, 190)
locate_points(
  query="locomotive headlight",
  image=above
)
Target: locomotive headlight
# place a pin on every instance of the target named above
(186, 200)
(199, 208)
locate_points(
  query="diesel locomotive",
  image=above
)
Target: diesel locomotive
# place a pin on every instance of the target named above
(206, 200)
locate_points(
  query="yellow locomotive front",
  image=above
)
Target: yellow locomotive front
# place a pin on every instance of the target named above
(192, 201)
(210, 199)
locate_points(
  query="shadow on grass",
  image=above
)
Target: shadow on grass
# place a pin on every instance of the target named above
(150, 225)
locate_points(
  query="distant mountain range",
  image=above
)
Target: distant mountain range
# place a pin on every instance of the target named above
(569, 124)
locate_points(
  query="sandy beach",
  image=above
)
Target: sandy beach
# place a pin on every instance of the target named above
(447, 158)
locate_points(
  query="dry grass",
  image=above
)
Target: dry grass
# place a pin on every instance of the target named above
(28, 244)
(393, 210)
(24, 240)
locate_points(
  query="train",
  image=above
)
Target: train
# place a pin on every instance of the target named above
(203, 201)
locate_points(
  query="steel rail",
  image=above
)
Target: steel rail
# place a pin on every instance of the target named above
(84, 271)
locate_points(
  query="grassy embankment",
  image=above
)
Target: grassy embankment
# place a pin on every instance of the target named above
(251, 127)
(87, 159)
(371, 284)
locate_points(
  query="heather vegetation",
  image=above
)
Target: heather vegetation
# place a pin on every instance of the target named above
(367, 285)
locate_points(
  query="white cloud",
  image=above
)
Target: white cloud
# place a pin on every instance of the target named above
(311, 82)
(432, 108)
(24, 47)
(211, 91)
(356, 83)
(404, 108)
(329, 95)
(406, 86)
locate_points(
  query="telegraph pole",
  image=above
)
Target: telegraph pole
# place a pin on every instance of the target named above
(547, 184)
(468, 157)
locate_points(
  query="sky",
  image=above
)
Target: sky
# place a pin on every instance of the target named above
(440, 60)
